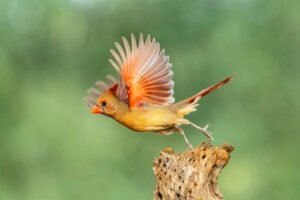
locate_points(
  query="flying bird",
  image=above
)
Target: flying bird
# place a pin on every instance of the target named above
(142, 99)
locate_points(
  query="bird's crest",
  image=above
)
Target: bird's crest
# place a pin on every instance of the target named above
(100, 86)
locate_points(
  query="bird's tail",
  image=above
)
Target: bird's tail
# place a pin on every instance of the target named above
(189, 105)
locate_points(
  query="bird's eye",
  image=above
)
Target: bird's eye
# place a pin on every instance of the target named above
(103, 103)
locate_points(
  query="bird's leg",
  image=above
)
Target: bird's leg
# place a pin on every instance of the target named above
(185, 138)
(177, 129)
(203, 130)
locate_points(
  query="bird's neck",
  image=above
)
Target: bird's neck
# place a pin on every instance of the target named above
(121, 111)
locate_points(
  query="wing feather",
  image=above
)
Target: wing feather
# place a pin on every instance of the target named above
(145, 72)
(100, 86)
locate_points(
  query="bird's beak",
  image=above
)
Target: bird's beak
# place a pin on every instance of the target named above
(96, 110)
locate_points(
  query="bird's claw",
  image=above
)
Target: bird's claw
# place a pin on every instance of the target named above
(206, 127)
(190, 147)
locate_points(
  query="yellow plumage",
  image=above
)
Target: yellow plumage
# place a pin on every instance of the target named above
(143, 98)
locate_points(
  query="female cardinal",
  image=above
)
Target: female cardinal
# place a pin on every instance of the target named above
(143, 98)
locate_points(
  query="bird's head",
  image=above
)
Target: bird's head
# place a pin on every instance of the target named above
(106, 104)
(103, 100)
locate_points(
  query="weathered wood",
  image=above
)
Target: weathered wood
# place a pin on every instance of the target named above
(190, 175)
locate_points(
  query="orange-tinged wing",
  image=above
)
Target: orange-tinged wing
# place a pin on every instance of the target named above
(94, 93)
(145, 71)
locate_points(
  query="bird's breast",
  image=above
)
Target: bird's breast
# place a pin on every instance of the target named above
(148, 119)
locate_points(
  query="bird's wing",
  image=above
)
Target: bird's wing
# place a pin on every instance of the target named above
(145, 72)
(94, 93)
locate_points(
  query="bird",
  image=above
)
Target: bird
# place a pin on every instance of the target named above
(142, 99)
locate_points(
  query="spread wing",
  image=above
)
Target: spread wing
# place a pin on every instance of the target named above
(145, 72)
(94, 93)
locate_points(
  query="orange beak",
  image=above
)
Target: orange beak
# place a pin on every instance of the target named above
(96, 110)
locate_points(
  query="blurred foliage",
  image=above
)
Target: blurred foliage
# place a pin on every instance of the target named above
(51, 51)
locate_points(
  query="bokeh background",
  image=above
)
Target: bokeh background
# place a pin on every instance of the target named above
(51, 51)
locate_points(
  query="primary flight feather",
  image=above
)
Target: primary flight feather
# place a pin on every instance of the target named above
(142, 99)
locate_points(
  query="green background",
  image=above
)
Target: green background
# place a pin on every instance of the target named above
(51, 51)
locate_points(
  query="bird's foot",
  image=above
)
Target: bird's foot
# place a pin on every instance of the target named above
(189, 147)
(204, 130)
(207, 133)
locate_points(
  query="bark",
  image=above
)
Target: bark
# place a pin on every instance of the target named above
(190, 175)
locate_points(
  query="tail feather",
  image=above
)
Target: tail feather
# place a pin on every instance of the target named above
(208, 90)
(189, 105)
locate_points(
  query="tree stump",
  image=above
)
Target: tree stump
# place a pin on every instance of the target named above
(190, 175)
